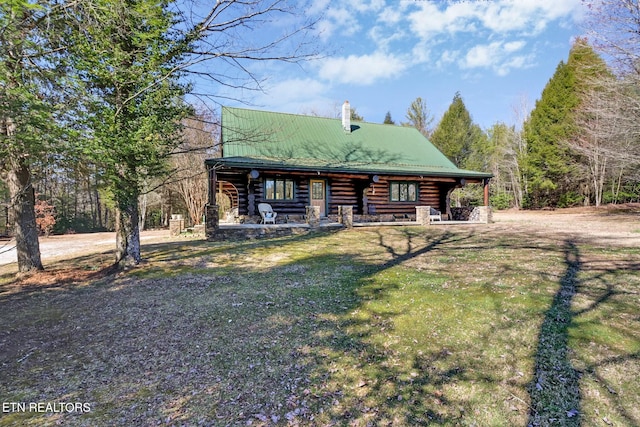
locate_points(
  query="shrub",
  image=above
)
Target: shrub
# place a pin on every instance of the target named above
(501, 201)
(45, 218)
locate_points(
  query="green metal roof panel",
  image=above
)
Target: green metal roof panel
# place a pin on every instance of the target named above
(288, 140)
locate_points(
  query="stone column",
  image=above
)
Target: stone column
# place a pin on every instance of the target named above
(345, 216)
(313, 216)
(422, 215)
(485, 214)
(212, 220)
(176, 225)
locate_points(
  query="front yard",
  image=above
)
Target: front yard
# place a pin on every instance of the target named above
(475, 325)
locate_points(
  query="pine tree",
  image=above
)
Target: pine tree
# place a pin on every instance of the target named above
(554, 172)
(388, 120)
(126, 57)
(30, 68)
(456, 135)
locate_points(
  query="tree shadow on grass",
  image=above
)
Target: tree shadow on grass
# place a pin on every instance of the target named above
(292, 341)
(555, 389)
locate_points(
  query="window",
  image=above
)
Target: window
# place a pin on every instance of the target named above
(317, 190)
(278, 189)
(404, 191)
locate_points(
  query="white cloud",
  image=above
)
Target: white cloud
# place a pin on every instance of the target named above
(528, 16)
(496, 56)
(364, 69)
(503, 16)
(318, 6)
(479, 34)
(365, 5)
(390, 16)
(448, 57)
(339, 21)
(514, 46)
(429, 20)
(482, 55)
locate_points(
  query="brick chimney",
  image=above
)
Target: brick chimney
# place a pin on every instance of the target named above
(346, 117)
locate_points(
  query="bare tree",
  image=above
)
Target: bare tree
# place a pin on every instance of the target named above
(614, 28)
(189, 178)
(609, 116)
(514, 155)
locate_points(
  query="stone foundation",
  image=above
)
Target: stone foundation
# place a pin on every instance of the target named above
(481, 214)
(259, 231)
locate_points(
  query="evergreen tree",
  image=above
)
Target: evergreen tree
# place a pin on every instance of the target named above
(457, 136)
(29, 70)
(388, 120)
(136, 101)
(548, 167)
(553, 171)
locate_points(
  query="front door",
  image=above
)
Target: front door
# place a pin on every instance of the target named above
(319, 195)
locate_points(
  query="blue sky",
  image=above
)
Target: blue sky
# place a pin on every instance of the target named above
(381, 55)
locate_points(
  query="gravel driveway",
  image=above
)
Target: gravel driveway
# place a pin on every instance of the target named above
(68, 245)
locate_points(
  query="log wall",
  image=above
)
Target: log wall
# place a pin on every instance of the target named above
(342, 190)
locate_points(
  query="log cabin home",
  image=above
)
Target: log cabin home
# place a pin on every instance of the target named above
(294, 161)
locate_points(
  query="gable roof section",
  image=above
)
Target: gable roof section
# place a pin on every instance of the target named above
(252, 138)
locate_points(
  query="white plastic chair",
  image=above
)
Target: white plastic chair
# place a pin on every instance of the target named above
(435, 215)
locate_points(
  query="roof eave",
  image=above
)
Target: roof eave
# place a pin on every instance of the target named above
(260, 164)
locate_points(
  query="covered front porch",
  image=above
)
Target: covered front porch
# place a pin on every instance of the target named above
(312, 221)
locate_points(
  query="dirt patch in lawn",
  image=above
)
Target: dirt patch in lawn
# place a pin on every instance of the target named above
(617, 225)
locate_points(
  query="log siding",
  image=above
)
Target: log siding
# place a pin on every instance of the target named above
(356, 190)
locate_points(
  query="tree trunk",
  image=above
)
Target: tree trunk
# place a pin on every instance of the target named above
(23, 210)
(128, 235)
(142, 210)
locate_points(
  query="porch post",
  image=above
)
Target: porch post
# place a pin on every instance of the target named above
(485, 214)
(212, 185)
(486, 191)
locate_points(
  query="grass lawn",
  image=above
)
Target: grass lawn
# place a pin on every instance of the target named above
(456, 326)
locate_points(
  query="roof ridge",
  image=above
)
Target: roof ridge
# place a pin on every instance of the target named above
(353, 122)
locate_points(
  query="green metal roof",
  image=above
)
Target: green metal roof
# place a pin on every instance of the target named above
(252, 138)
